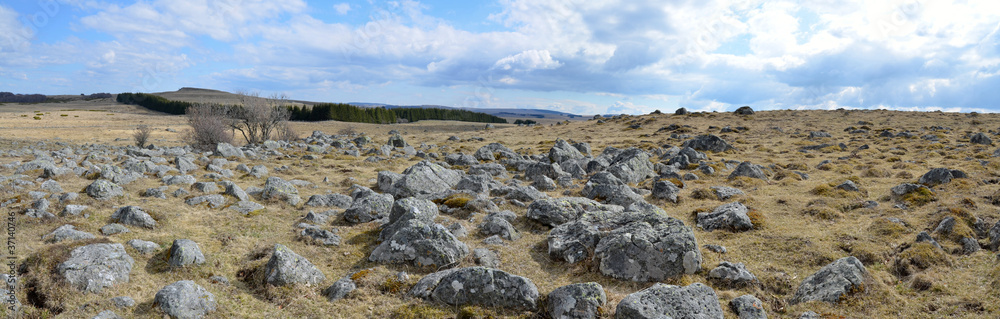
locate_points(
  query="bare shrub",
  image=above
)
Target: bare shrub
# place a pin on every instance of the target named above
(286, 133)
(141, 135)
(349, 130)
(209, 126)
(257, 118)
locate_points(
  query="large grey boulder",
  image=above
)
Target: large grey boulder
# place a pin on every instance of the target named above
(133, 215)
(320, 236)
(185, 299)
(550, 170)
(213, 200)
(666, 190)
(339, 289)
(424, 178)
(104, 189)
(576, 301)
(73, 210)
(725, 192)
(229, 151)
(649, 247)
(234, 190)
(606, 187)
(276, 188)
(178, 180)
(841, 278)
(750, 170)
(669, 301)
(422, 244)
(288, 268)
(732, 275)
(368, 206)
(479, 286)
(66, 232)
(708, 142)
(495, 151)
(478, 183)
(556, 211)
(744, 110)
(495, 224)
(748, 307)
(732, 216)
(940, 176)
(460, 159)
(94, 267)
(185, 252)
(406, 209)
(563, 151)
(328, 200)
(396, 140)
(184, 164)
(632, 166)
(980, 138)
(142, 246)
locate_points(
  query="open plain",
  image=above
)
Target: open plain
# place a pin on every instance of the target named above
(831, 189)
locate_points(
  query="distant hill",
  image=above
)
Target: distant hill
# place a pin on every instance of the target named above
(198, 95)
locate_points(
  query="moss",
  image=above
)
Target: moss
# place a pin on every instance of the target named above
(886, 228)
(456, 200)
(825, 213)
(757, 219)
(361, 274)
(918, 257)
(393, 286)
(702, 193)
(919, 197)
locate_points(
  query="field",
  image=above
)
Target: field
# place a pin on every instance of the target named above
(804, 224)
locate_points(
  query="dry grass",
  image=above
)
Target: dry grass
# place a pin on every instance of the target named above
(788, 244)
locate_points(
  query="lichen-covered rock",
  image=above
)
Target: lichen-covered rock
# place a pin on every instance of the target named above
(563, 151)
(669, 301)
(666, 190)
(320, 236)
(339, 289)
(632, 166)
(748, 307)
(179, 180)
(66, 232)
(368, 206)
(732, 274)
(556, 211)
(133, 215)
(606, 187)
(708, 142)
(213, 201)
(576, 301)
(276, 188)
(329, 200)
(424, 178)
(478, 286)
(843, 277)
(422, 244)
(94, 267)
(142, 246)
(750, 170)
(980, 138)
(652, 248)
(104, 189)
(725, 192)
(732, 216)
(185, 299)
(288, 268)
(940, 176)
(185, 252)
(229, 151)
(496, 225)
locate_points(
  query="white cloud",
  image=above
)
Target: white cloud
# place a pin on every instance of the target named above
(528, 61)
(13, 34)
(342, 8)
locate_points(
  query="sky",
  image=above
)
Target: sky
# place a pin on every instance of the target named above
(576, 56)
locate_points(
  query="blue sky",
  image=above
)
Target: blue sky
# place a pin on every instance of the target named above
(584, 57)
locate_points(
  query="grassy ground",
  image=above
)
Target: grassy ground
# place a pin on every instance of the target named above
(806, 225)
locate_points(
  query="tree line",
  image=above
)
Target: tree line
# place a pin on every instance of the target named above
(154, 102)
(8, 97)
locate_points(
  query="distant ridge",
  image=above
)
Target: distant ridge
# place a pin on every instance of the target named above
(202, 95)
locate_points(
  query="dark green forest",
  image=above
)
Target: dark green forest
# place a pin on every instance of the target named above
(154, 102)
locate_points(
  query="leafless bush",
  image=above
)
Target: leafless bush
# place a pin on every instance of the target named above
(257, 118)
(286, 133)
(347, 130)
(209, 126)
(141, 135)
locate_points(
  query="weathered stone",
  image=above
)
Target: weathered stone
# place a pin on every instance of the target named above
(133, 215)
(66, 232)
(94, 267)
(839, 279)
(732, 275)
(185, 299)
(478, 286)
(732, 216)
(288, 268)
(576, 301)
(103, 190)
(748, 307)
(709, 143)
(666, 190)
(339, 289)
(329, 200)
(556, 211)
(669, 301)
(185, 252)
(750, 170)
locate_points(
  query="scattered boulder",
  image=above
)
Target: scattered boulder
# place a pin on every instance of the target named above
(113, 229)
(708, 143)
(133, 215)
(669, 301)
(732, 216)
(143, 247)
(815, 134)
(420, 243)
(681, 111)
(320, 236)
(563, 151)
(276, 188)
(744, 110)
(581, 300)
(92, 268)
(750, 170)
(73, 210)
(423, 178)
(668, 248)
(940, 176)
(229, 151)
(339, 289)
(185, 299)
(556, 211)
(368, 206)
(478, 286)
(396, 140)
(494, 224)
(732, 275)
(725, 192)
(329, 200)
(839, 279)
(104, 189)
(288, 268)
(213, 201)
(980, 138)
(632, 166)
(486, 258)
(66, 232)
(185, 252)
(666, 190)
(748, 307)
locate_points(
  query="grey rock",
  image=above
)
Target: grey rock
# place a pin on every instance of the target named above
(906, 188)
(491, 169)
(632, 166)
(708, 142)
(732, 275)
(748, 307)
(840, 278)
(339, 289)
(496, 225)
(556, 211)
(178, 180)
(329, 200)
(460, 159)
(544, 183)
(205, 187)
(107, 314)
(420, 243)
(246, 207)
(576, 301)
(368, 206)
(815, 134)
(219, 280)
(666, 190)
(288, 268)
(925, 237)
(748, 169)
(648, 247)
(184, 164)
(185, 252)
(732, 216)
(185, 299)
(809, 315)
(229, 151)
(608, 188)
(716, 248)
(994, 237)
(104, 189)
(980, 138)
(486, 258)
(113, 229)
(744, 110)
(495, 151)
(478, 184)
(66, 232)
(969, 245)
(563, 151)
(143, 247)
(51, 186)
(525, 194)
(94, 267)
(276, 188)
(458, 230)
(320, 236)
(478, 286)
(396, 140)
(155, 192)
(726, 192)
(940, 176)
(424, 178)
(259, 171)
(404, 210)
(234, 190)
(134, 216)
(848, 186)
(214, 200)
(123, 302)
(669, 301)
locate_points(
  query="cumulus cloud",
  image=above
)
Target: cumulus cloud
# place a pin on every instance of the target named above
(13, 34)
(342, 8)
(528, 61)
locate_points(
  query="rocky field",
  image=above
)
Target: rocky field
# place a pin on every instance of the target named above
(777, 214)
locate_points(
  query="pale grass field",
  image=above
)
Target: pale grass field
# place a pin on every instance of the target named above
(791, 245)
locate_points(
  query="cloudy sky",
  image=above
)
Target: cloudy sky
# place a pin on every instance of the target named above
(579, 56)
